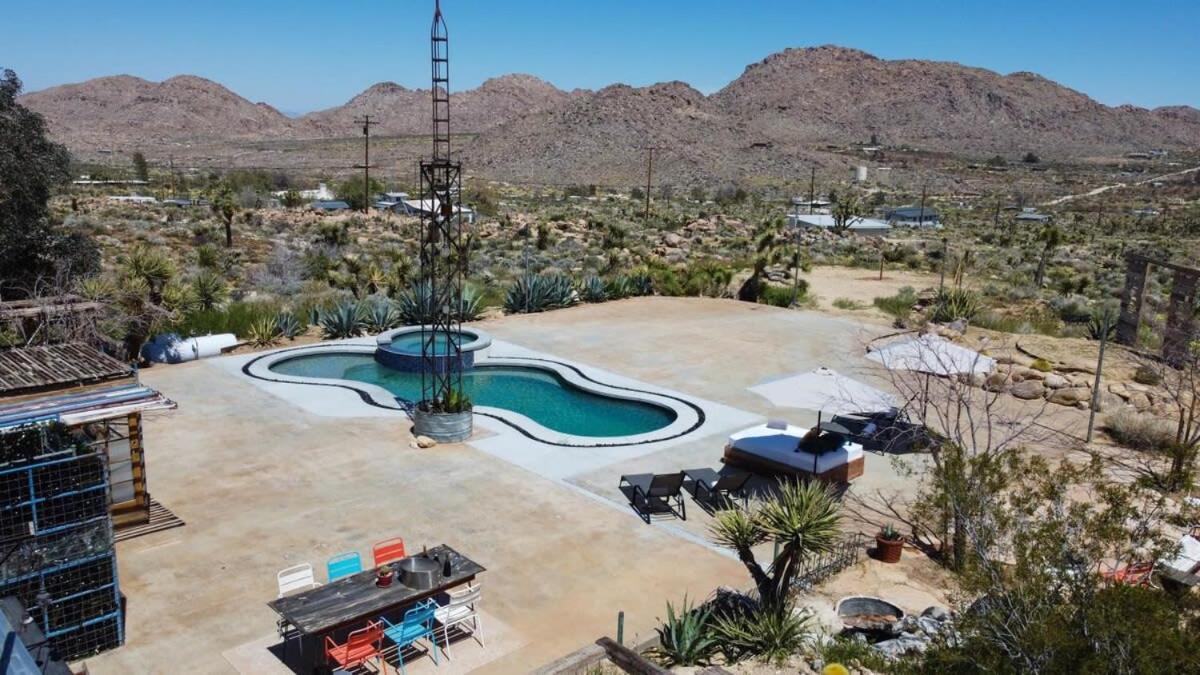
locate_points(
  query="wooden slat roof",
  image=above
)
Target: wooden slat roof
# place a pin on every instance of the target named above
(29, 369)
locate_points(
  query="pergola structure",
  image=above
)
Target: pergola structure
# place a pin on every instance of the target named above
(1181, 310)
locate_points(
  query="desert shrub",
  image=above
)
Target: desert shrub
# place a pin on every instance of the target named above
(1147, 375)
(539, 293)
(777, 296)
(1042, 365)
(341, 321)
(847, 303)
(264, 332)
(952, 304)
(851, 652)
(379, 315)
(290, 325)
(593, 290)
(771, 633)
(685, 638)
(899, 305)
(1139, 431)
(235, 317)
(1072, 308)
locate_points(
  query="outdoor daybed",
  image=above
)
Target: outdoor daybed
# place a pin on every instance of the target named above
(791, 449)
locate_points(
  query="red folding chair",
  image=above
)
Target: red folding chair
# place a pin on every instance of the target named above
(388, 551)
(1133, 574)
(361, 646)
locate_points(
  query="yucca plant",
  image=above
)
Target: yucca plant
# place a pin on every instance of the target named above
(210, 289)
(592, 290)
(264, 332)
(379, 315)
(341, 321)
(952, 304)
(289, 325)
(685, 638)
(1101, 326)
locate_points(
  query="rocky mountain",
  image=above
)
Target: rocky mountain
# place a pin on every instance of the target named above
(123, 111)
(769, 122)
(400, 110)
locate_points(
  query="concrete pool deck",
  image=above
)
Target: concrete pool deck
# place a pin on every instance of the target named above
(264, 483)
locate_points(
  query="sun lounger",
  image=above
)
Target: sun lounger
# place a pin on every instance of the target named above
(711, 487)
(650, 493)
(786, 451)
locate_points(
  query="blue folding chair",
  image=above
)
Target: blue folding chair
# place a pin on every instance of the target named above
(417, 624)
(343, 565)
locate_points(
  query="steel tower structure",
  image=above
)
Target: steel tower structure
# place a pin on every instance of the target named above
(442, 251)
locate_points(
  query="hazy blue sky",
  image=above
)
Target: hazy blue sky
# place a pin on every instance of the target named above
(302, 55)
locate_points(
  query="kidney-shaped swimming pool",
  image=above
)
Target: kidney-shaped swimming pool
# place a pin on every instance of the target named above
(541, 395)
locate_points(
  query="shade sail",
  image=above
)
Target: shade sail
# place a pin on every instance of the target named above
(826, 390)
(931, 354)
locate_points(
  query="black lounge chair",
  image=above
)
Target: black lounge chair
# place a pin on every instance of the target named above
(712, 488)
(655, 492)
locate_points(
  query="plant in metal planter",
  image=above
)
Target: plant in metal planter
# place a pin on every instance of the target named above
(341, 321)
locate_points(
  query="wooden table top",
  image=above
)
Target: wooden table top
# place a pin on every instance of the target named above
(357, 597)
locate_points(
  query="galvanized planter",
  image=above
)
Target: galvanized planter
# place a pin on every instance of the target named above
(443, 427)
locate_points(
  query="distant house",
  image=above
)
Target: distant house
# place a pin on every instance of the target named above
(321, 194)
(868, 227)
(914, 216)
(1031, 215)
(817, 205)
(391, 201)
(133, 199)
(1146, 212)
(416, 207)
(330, 206)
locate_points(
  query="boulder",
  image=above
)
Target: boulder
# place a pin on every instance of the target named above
(425, 442)
(1139, 401)
(936, 613)
(900, 646)
(996, 382)
(1055, 381)
(1028, 390)
(1069, 396)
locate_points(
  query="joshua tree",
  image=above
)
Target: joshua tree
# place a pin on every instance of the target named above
(844, 213)
(801, 517)
(1050, 238)
(771, 246)
(224, 207)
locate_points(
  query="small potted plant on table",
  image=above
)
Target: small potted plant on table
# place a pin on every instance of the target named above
(384, 576)
(889, 544)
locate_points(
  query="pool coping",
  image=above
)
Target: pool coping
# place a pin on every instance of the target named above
(688, 416)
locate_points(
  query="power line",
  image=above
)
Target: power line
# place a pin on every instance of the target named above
(366, 123)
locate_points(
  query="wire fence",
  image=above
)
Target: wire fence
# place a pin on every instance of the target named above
(819, 568)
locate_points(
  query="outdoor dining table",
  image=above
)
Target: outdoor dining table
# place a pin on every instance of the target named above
(350, 602)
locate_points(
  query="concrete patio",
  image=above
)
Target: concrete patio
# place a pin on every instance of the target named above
(263, 484)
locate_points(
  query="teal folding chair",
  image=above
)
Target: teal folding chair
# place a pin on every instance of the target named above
(417, 624)
(343, 565)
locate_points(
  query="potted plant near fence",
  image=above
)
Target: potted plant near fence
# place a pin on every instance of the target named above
(384, 575)
(889, 544)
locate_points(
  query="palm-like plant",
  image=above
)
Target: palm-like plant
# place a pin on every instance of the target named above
(210, 289)
(801, 517)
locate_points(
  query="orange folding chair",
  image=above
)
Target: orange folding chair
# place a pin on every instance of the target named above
(360, 647)
(388, 551)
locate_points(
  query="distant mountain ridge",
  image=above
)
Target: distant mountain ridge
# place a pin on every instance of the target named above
(774, 117)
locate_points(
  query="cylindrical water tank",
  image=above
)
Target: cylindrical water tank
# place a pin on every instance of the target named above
(860, 174)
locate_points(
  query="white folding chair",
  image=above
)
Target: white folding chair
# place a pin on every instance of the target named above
(298, 578)
(461, 607)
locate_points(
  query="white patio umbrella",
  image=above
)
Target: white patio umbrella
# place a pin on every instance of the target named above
(826, 391)
(933, 355)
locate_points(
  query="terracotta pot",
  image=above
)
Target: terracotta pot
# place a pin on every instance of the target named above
(888, 550)
(384, 580)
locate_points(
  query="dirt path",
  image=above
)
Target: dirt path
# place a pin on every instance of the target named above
(1116, 186)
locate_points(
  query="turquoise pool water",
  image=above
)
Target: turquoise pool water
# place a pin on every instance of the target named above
(533, 392)
(410, 343)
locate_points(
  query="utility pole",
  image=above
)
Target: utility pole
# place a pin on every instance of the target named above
(1105, 326)
(366, 165)
(171, 168)
(945, 254)
(649, 175)
(921, 224)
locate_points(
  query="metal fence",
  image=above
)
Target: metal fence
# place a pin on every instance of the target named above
(820, 568)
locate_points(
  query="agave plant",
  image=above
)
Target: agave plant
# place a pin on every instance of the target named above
(471, 303)
(538, 293)
(289, 325)
(618, 287)
(770, 632)
(416, 305)
(1101, 326)
(593, 290)
(685, 638)
(341, 321)
(264, 332)
(379, 315)
(952, 304)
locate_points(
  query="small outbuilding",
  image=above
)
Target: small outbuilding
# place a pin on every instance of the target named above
(868, 227)
(914, 216)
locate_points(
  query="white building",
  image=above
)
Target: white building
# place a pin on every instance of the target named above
(321, 194)
(868, 227)
(415, 207)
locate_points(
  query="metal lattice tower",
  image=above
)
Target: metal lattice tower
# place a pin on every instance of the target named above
(442, 252)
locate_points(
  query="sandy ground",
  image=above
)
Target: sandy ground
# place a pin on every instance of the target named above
(862, 286)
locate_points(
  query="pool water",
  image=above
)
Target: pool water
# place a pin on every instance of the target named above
(538, 394)
(410, 343)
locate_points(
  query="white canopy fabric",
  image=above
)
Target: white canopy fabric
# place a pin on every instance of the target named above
(827, 391)
(931, 354)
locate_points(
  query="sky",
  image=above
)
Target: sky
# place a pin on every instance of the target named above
(303, 55)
